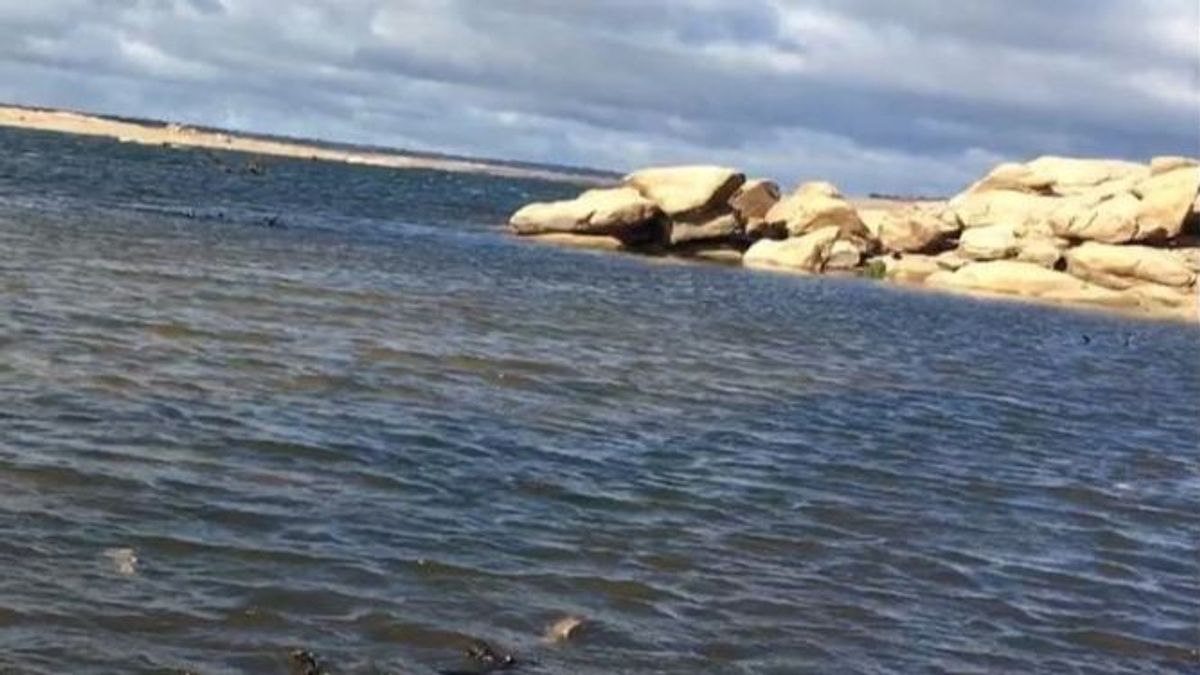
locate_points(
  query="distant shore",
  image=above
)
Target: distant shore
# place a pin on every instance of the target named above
(147, 132)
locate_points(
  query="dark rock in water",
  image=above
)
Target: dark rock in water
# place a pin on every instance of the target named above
(305, 662)
(486, 660)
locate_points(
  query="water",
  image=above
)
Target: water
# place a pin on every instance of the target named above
(337, 408)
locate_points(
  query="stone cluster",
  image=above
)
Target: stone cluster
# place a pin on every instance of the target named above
(1097, 232)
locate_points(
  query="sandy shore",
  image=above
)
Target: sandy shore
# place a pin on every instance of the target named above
(177, 135)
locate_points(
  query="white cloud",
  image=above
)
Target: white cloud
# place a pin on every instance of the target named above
(878, 94)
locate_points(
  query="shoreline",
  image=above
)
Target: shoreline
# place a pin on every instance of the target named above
(174, 135)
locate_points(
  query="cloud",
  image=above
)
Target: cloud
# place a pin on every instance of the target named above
(887, 95)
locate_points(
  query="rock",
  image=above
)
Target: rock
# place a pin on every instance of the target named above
(753, 201)
(1189, 255)
(124, 560)
(720, 227)
(1123, 267)
(908, 269)
(1041, 251)
(761, 229)
(617, 212)
(992, 242)
(721, 253)
(844, 255)
(564, 629)
(588, 241)
(806, 253)
(684, 191)
(1088, 200)
(1160, 165)
(1113, 220)
(814, 206)
(1020, 211)
(1008, 277)
(951, 260)
(912, 228)
(1183, 302)
(1166, 201)
(1059, 176)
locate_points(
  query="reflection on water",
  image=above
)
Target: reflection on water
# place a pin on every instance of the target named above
(386, 430)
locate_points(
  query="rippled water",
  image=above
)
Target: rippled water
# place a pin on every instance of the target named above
(336, 408)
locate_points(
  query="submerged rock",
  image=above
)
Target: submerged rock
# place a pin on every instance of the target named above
(124, 560)
(564, 629)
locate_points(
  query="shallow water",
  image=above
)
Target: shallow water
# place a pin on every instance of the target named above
(336, 408)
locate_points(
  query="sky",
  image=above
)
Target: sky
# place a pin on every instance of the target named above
(900, 96)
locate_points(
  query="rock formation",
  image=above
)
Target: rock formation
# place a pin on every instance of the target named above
(1095, 232)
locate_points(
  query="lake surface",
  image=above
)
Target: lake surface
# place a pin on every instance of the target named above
(338, 408)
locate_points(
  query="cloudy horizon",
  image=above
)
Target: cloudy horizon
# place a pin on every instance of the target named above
(915, 96)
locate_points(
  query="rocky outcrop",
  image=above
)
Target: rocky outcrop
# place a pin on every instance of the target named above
(912, 228)
(1123, 267)
(687, 192)
(1080, 199)
(1094, 232)
(815, 206)
(617, 212)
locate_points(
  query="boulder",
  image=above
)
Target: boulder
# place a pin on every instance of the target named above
(1008, 277)
(1112, 220)
(1060, 176)
(992, 242)
(1183, 302)
(806, 253)
(1123, 267)
(1042, 251)
(718, 228)
(1085, 200)
(814, 206)
(912, 228)
(616, 212)
(685, 191)
(1020, 211)
(1166, 202)
(1189, 255)
(1160, 165)
(588, 241)
(908, 269)
(754, 200)
(844, 255)
(951, 260)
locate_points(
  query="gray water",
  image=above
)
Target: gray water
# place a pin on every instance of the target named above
(338, 408)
